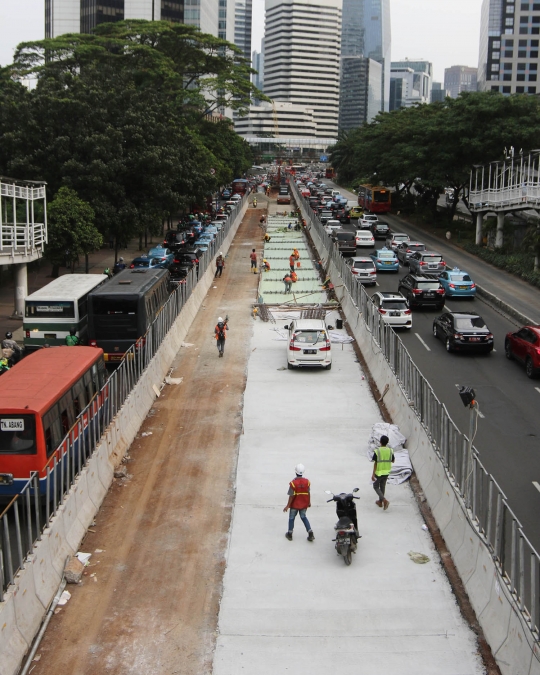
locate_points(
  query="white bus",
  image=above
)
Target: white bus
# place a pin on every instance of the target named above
(51, 312)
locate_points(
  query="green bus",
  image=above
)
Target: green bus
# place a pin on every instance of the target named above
(52, 311)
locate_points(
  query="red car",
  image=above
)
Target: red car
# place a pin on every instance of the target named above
(524, 346)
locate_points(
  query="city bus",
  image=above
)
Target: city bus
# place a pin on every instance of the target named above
(374, 199)
(52, 311)
(122, 310)
(240, 186)
(41, 399)
(329, 172)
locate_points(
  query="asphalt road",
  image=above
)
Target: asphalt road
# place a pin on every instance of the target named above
(508, 432)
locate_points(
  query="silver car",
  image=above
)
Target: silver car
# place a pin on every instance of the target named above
(405, 250)
(427, 262)
(395, 239)
(363, 269)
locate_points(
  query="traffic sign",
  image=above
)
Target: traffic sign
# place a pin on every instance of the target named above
(324, 158)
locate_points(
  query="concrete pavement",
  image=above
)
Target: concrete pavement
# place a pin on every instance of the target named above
(295, 606)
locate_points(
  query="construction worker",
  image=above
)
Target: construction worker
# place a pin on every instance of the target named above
(267, 237)
(296, 255)
(291, 262)
(299, 502)
(266, 265)
(72, 340)
(220, 264)
(383, 458)
(287, 281)
(294, 277)
(253, 258)
(220, 334)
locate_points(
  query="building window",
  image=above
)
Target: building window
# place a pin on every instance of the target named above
(509, 22)
(524, 6)
(532, 77)
(536, 7)
(531, 90)
(494, 88)
(523, 43)
(509, 43)
(495, 67)
(522, 66)
(535, 30)
(534, 55)
(520, 90)
(522, 54)
(521, 77)
(507, 77)
(534, 43)
(536, 19)
(507, 90)
(524, 19)
(533, 66)
(507, 66)
(524, 31)
(497, 55)
(496, 44)
(509, 54)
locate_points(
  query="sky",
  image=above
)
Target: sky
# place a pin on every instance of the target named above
(445, 32)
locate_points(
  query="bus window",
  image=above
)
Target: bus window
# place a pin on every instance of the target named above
(67, 415)
(49, 309)
(83, 307)
(52, 430)
(79, 397)
(89, 386)
(17, 435)
(102, 373)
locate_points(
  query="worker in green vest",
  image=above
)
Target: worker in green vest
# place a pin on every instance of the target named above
(383, 458)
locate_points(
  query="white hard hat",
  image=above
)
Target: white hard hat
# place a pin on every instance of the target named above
(221, 253)
(299, 468)
(220, 320)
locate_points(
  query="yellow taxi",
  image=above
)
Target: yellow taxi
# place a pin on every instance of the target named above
(356, 212)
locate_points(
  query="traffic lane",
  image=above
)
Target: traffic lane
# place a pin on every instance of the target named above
(507, 435)
(514, 291)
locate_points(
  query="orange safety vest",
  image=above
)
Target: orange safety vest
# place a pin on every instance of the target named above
(291, 260)
(300, 487)
(294, 277)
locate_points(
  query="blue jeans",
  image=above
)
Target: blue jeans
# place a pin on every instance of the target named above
(292, 516)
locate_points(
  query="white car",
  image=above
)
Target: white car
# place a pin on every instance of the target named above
(236, 197)
(393, 308)
(367, 220)
(364, 238)
(332, 225)
(363, 269)
(308, 344)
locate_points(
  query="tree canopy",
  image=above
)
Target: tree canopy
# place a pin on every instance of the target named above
(435, 146)
(121, 116)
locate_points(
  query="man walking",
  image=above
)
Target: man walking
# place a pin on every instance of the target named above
(287, 280)
(253, 258)
(220, 333)
(220, 264)
(383, 458)
(299, 502)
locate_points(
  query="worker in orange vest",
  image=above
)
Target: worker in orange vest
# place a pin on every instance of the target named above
(299, 502)
(296, 255)
(294, 277)
(291, 262)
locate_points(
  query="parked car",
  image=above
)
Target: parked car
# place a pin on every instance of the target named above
(427, 261)
(308, 344)
(385, 259)
(364, 238)
(367, 220)
(405, 250)
(524, 346)
(345, 240)
(380, 229)
(393, 308)
(422, 291)
(456, 282)
(395, 239)
(463, 331)
(363, 269)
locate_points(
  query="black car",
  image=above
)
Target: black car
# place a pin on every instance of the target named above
(380, 230)
(422, 291)
(174, 239)
(343, 217)
(463, 331)
(187, 259)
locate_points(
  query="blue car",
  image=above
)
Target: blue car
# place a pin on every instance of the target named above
(457, 283)
(144, 261)
(385, 260)
(165, 254)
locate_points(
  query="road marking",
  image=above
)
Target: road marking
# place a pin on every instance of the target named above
(536, 485)
(482, 416)
(425, 345)
(537, 389)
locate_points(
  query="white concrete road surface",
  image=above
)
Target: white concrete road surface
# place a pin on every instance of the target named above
(295, 607)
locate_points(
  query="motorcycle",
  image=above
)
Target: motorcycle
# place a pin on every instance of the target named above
(346, 528)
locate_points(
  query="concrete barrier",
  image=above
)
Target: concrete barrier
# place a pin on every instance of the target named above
(27, 600)
(505, 627)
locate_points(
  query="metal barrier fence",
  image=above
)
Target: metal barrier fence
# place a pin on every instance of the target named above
(487, 507)
(25, 517)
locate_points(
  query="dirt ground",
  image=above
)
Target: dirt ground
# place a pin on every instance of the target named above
(149, 601)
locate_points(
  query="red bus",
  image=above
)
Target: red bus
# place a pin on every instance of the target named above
(46, 400)
(240, 186)
(374, 199)
(329, 173)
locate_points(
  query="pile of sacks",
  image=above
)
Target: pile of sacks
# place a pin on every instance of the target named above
(402, 467)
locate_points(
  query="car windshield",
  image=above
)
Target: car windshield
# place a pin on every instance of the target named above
(400, 237)
(381, 226)
(432, 258)
(468, 323)
(460, 277)
(310, 336)
(363, 265)
(395, 304)
(416, 247)
(428, 285)
(344, 236)
(386, 254)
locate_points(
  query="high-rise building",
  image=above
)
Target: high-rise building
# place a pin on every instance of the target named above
(242, 26)
(438, 93)
(257, 63)
(82, 16)
(277, 120)
(360, 96)
(301, 59)
(509, 45)
(366, 32)
(415, 86)
(460, 78)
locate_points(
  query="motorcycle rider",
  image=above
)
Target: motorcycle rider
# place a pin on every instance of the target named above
(299, 502)
(10, 344)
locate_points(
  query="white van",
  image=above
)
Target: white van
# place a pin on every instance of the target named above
(308, 344)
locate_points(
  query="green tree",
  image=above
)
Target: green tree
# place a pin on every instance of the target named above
(71, 230)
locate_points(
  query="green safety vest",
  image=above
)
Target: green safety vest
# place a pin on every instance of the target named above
(72, 340)
(384, 461)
